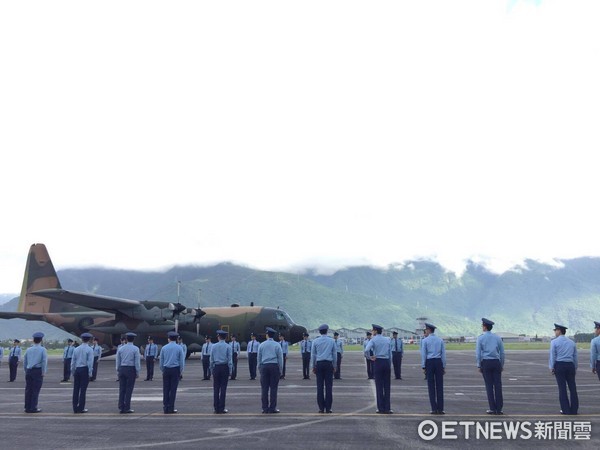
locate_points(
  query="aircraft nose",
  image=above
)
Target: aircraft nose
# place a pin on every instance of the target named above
(297, 333)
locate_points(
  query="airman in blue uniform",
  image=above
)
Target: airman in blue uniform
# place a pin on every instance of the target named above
(150, 354)
(323, 359)
(489, 355)
(221, 365)
(172, 364)
(368, 358)
(67, 356)
(235, 352)
(433, 362)
(379, 350)
(128, 369)
(82, 367)
(339, 347)
(206, 357)
(252, 350)
(14, 356)
(35, 364)
(284, 348)
(97, 349)
(563, 365)
(397, 352)
(184, 347)
(305, 348)
(595, 350)
(270, 365)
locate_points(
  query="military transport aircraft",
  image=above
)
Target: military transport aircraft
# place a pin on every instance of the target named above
(42, 298)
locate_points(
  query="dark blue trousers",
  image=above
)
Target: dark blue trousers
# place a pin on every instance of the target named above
(491, 370)
(170, 383)
(81, 379)
(434, 371)
(382, 373)
(269, 382)
(126, 385)
(397, 361)
(324, 374)
(13, 363)
(33, 385)
(565, 377)
(95, 368)
(66, 369)
(252, 363)
(338, 367)
(235, 362)
(306, 365)
(369, 368)
(598, 369)
(220, 379)
(206, 366)
(149, 367)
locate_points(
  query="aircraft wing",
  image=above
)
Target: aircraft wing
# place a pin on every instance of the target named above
(99, 302)
(22, 315)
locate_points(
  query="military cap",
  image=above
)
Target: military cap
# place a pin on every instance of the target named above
(69, 340)
(86, 336)
(430, 326)
(130, 334)
(252, 334)
(336, 334)
(150, 338)
(172, 334)
(37, 334)
(395, 333)
(369, 333)
(16, 341)
(270, 330)
(560, 327)
(379, 328)
(305, 334)
(596, 324)
(222, 333)
(485, 321)
(324, 327)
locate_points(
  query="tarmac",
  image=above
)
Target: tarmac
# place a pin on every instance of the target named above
(530, 399)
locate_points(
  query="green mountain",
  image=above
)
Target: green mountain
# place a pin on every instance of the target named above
(525, 300)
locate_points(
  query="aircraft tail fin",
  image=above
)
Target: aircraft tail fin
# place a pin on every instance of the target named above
(39, 274)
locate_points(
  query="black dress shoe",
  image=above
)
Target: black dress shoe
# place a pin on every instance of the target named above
(274, 411)
(329, 411)
(127, 411)
(321, 411)
(83, 411)
(490, 411)
(433, 412)
(264, 411)
(33, 411)
(442, 412)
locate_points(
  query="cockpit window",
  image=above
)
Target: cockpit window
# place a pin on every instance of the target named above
(283, 316)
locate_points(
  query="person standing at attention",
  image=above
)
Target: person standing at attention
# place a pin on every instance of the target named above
(270, 365)
(433, 362)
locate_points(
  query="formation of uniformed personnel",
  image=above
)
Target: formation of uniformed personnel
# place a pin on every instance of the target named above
(206, 357)
(82, 367)
(235, 352)
(595, 350)
(270, 365)
(252, 350)
(67, 356)
(128, 369)
(323, 359)
(305, 348)
(14, 356)
(379, 350)
(35, 364)
(368, 359)
(221, 364)
(150, 354)
(489, 354)
(563, 365)
(172, 364)
(97, 349)
(284, 348)
(433, 362)
(339, 347)
(397, 352)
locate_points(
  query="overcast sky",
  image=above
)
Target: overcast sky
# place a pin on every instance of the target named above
(143, 134)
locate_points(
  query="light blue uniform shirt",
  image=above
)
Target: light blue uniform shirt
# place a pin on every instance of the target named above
(171, 355)
(184, 347)
(68, 352)
(253, 346)
(128, 355)
(269, 352)
(379, 346)
(221, 353)
(305, 346)
(83, 356)
(396, 344)
(284, 346)
(489, 346)
(433, 347)
(97, 349)
(36, 356)
(562, 349)
(206, 348)
(323, 349)
(151, 350)
(15, 351)
(594, 351)
(339, 346)
(235, 347)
